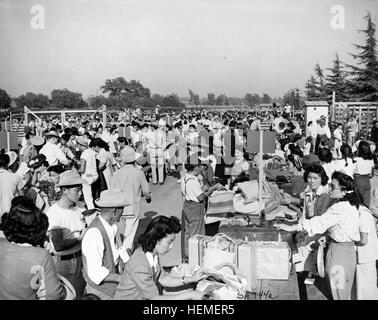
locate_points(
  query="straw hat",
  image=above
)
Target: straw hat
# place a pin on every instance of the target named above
(52, 134)
(37, 141)
(12, 156)
(82, 141)
(112, 198)
(70, 178)
(128, 155)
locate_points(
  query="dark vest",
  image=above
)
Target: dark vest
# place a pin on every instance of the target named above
(108, 288)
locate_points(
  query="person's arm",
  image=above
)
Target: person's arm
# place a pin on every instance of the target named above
(363, 239)
(53, 287)
(172, 282)
(315, 225)
(144, 185)
(60, 244)
(61, 156)
(209, 191)
(83, 165)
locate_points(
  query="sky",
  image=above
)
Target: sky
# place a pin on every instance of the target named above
(219, 46)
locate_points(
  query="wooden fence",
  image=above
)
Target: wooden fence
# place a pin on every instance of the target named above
(365, 112)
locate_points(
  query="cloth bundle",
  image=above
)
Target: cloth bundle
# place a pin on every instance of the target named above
(221, 202)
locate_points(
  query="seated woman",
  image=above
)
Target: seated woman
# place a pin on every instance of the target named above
(27, 269)
(143, 277)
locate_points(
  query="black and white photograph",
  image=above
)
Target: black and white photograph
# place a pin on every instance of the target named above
(199, 150)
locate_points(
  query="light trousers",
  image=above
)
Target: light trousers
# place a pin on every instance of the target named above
(366, 281)
(127, 227)
(340, 267)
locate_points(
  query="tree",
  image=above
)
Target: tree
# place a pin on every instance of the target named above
(5, 100)
(211, 101)
(293, 98)
(312, 89)
(320, 82)
(66, 99)
(221, 100)
(33, 101)
(158, 99)
(266, 98)
(194, 99)
(127, 93)
(365, 75)
(335, 81)
(173, 101)
(97, 101)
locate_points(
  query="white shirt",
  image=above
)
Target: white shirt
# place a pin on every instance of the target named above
(324, 131)
(113, 139)
(89, 156)
(70, 220)
(156, 139)
(105, 136)
(338, 134)
(191, 188)
(340, 166)
(368, 252)
(10, 184)
(329, 168)
(363, 167)
(341, 221)
(93, 249)
(153, 261)
(53, 154)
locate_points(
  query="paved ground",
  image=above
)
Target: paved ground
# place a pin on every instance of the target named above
(166, 200)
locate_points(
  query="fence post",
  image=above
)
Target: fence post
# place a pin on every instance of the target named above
(26, 115)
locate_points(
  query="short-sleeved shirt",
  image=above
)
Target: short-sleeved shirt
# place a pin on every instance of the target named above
(363, 167)
(191, 188)
(368, 252)
(90, 158)
(71, 221)
(10, 184)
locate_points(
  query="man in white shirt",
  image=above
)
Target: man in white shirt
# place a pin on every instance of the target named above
(156, 145)
(67, 227)
(51, 150)
(103, 254)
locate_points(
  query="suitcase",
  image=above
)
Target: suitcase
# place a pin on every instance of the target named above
(263, 232)
(255, 260)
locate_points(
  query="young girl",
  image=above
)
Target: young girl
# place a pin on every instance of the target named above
(364, 170)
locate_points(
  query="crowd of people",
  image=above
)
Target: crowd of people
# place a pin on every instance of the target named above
(71, 199)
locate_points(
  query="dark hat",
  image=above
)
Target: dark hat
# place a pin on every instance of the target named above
(28, 129)
(36, 161)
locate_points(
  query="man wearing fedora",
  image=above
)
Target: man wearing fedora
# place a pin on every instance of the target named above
(66, 230)
(133, 183)
(51, 150)
(103, 254)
